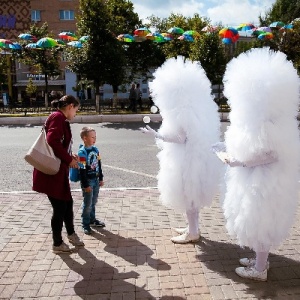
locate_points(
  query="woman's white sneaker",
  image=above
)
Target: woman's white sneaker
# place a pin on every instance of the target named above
(252, 273)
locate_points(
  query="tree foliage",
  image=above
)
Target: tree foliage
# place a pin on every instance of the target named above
(282, 10)
(210, 52)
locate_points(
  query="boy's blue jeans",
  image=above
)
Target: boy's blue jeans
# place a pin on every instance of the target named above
(89, 202)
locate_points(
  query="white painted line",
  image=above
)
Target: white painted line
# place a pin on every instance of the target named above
(79, 190)
(130, 171)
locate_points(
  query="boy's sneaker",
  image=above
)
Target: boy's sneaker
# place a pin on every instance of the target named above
(75, 240)
(62, 248)
(181, 230)
(252, 273)
(97, 223)
(250, 262)
(87, 231)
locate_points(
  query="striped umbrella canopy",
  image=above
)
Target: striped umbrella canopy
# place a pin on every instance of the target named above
(84, 38)
(186, 37)
(229, 35)
(193, 33)
(32, 46)
(265, 36)
(276, 25)
(76, 44)
(176, 30)
(5, 43)
(46, 42)
(245, 27)
(143, 31)
(68, 36)
(27, 37)
(167, 36)
(125, 37)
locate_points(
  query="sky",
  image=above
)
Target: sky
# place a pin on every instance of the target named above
(228, 12)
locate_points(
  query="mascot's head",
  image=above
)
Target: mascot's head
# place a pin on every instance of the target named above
(180, 84)
(260, 85)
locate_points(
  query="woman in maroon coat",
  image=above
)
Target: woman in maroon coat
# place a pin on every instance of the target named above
(57, 187)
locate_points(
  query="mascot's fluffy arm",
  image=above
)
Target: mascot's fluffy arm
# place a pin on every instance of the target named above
(178, 139)
(264, 159)
(220, 150)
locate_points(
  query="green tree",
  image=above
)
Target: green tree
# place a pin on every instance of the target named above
(44, 61)
(285, 40)
(210, 52)
(139, 57)
(282, 10)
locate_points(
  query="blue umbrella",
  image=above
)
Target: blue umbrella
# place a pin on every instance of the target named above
(75, 44)
(15, 46)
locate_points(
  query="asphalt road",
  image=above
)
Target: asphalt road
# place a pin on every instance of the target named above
(128, 156)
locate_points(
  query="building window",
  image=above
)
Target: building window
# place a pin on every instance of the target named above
(66, 14)
(35, 15)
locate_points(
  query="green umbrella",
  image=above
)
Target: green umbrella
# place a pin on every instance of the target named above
(46, 42)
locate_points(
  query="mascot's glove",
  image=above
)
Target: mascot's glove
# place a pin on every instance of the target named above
(234, 163)
(150, 131)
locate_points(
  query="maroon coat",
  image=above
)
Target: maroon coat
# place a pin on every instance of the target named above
(59, 137)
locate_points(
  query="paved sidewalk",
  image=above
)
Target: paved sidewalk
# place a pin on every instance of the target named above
(133, 257)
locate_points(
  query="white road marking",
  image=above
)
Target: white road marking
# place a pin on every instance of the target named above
(130, 171)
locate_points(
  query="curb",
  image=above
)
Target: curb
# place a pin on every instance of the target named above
(81, 119)
(91, 119)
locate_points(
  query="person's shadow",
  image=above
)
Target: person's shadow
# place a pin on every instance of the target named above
(129, 249)
(222, 258)
(102, 281)
(99, 278)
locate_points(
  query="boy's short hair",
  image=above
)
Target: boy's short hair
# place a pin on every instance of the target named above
(85, 131)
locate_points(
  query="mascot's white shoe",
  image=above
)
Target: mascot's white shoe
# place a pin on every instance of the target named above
(181, 230)
(250, 262)
(185, 238)
(252, 273)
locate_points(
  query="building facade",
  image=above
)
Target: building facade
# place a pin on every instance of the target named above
(16, 16)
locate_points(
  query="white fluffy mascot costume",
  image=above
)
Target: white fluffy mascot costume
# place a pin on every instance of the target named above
(262, 143)
(189, 171)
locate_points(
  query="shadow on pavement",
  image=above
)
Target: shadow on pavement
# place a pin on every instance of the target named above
(222, 258)
(130, 125)
(129, 249)
(99, 278)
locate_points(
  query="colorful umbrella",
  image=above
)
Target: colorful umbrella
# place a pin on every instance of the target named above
(128, 38)
(5, 43)
(46, 42)
(167, 36)
(192, 33)
(229, 35)
(186, 37)
(264, 28)
(176, 30)
(141, 31)
(15, 46)
(287, 27)
(245, 27)
(155, 37)
(84, 38)
(75, 44)
(276, 25)
(265, 36)
(60, 42)
(67, 35)
(27, 37)
(32, 46)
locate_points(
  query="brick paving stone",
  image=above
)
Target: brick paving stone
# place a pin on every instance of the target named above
(132, 257)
